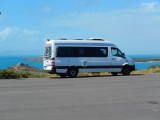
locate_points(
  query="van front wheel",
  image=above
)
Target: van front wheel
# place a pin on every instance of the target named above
(72, 72)
(126, 70)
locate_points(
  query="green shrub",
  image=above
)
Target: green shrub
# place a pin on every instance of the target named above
(11, 74)
(153, 67)
(14, 74)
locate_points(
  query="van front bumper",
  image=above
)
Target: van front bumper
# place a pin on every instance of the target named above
(132, 68)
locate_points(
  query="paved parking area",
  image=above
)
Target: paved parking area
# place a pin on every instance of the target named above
(135, 97)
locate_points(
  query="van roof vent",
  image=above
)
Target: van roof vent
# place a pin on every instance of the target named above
(78, 39)
(62, 39)
(98, 39)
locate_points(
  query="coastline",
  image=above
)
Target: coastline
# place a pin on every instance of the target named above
(146, 59)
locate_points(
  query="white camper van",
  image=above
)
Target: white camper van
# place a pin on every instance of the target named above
(67, 58)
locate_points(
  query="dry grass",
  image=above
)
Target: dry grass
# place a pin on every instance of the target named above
(140, 72)
(12, 73)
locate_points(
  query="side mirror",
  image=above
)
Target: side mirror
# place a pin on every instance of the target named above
(123, 55)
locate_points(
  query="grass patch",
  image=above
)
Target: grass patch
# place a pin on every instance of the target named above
(149, 70)
(25, 71)
(13, 74)
(154, 70)
(93, 74)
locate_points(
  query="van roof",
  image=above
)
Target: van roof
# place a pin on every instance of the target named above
(97, 42)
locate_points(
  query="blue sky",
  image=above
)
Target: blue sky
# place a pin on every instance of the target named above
(133, 25)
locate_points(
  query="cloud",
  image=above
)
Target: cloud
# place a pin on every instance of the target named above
(150, 7)
(47, 9)
(20, 40)
(5, 33)
(121, 20)
(14, 32)
(29, 32)
(88, 2)
(121, 26)
(156, 18)
(101, 21)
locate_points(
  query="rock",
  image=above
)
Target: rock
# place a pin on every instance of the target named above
(24, 67)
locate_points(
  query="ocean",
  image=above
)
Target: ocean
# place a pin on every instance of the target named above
(8, 61)
(145, 65)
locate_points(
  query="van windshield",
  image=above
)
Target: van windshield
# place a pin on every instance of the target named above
(47, 53)
(116, 52)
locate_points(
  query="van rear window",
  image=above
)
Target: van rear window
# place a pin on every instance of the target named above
(48, 52)
(82, 52)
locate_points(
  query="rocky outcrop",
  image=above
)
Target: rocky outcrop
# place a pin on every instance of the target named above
(24, 67)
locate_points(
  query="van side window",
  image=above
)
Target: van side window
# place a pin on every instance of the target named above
(103, 52)
(96, 51)
(82, 52)
(116, 52)
(64, 52)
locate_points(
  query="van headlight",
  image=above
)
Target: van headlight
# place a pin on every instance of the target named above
(132, 62)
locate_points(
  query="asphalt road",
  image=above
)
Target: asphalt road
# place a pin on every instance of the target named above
(135, 97)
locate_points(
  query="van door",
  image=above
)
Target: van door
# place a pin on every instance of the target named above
(117, 58)
(47, 58)
(98, 59)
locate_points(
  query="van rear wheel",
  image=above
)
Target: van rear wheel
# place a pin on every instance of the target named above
(72, 72)
(114, 73)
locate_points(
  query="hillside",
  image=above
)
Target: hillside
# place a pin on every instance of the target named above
(22, 70)
(24, 67)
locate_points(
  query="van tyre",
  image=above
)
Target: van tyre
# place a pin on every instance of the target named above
(126, 70)
(114, 73)
(72, 72)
